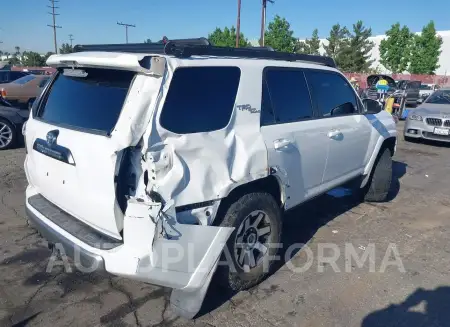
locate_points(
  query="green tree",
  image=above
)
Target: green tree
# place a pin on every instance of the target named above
(337, 41)
(47, 55)
(7, 54)
(425, 51)
(355, 55)
(310, 46)
(17, 53)
(227, 38)
(395, 50)
(32, 59)
(314, 43)
(14, 60)
(65, 48)
(148, 41)
(280, 36)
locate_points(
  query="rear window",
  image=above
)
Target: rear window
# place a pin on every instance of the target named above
(92, 100)
(200, 99)
(24, 80)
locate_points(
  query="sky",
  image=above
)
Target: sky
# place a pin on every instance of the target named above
(95, 21)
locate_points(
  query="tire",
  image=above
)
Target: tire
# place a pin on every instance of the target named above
(8, 135)
(239, 273)
(379, 184)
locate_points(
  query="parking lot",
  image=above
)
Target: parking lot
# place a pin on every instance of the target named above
(416, 223)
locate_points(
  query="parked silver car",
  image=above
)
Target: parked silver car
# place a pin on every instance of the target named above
(431, 120)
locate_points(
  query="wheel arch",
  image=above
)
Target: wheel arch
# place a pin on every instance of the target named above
(270, 184)
(387, 143)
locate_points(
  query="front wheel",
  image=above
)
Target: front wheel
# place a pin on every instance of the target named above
(379, 183)
(8, 135)
(257, 219)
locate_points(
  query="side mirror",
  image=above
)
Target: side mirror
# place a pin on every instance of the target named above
(371, 106)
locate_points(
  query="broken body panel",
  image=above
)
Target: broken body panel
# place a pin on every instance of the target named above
(181, 169)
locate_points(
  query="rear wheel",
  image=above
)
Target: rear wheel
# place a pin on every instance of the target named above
(379, 184)
(257, 219)
(7, 135)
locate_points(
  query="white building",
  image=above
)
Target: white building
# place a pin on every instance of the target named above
(444, 60)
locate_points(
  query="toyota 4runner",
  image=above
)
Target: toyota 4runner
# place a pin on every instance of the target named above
(153, 161)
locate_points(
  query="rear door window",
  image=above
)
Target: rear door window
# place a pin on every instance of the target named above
(91, 100)
(285, 97)
(333, 94)
(24, 80)
(4, 77)
(200, 99)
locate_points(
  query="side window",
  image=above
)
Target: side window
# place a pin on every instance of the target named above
(289, 97)
(200, 99)
(267, 114)
(333, 95)
(4, 77)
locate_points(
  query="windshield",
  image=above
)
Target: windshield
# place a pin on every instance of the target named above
(24, 80)
(439, 97)
(425, 87)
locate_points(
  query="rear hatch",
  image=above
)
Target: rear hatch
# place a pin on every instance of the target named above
(77, 135)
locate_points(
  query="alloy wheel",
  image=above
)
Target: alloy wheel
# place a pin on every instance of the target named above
(6, 135)
(252, 240)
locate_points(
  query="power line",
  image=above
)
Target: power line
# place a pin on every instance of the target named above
(71, 39)
(54, 26)
(126, 29)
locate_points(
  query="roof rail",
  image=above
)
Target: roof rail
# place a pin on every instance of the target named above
(185, 48)
(257, 53)
(157, 48)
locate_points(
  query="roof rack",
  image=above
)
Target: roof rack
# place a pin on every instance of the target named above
(185, 48)
(157, 48)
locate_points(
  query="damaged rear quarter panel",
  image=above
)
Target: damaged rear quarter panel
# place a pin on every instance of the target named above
(207, 166)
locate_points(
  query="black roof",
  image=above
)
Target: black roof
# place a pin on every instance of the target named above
(186, 48)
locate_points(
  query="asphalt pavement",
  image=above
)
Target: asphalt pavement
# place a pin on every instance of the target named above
(403, 282)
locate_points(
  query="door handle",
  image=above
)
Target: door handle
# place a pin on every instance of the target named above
(281, 143)
(334, 133)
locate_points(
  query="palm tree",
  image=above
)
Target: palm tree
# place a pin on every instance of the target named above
(1, 54)
(17, 48)
(7, 54)
(263, 19)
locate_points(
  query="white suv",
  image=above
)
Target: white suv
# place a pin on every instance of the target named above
(146, 160)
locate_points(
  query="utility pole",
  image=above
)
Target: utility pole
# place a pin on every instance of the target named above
(71, 39)
(263, 19)
(126, 29)
(238, 24)
(54, 26)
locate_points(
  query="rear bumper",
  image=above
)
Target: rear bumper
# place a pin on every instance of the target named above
(142, 256)
(87, 259)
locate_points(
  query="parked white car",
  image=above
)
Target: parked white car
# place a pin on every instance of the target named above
(148, 161)
(426, 90)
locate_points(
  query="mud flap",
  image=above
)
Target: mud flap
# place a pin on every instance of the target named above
(188, 303)
(193, 253)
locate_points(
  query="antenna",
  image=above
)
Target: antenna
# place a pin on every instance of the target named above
(126, 29)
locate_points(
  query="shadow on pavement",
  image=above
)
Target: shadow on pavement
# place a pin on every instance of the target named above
(299, 227)
(436, 311)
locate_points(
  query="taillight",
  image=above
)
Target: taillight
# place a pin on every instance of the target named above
(3, 92)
